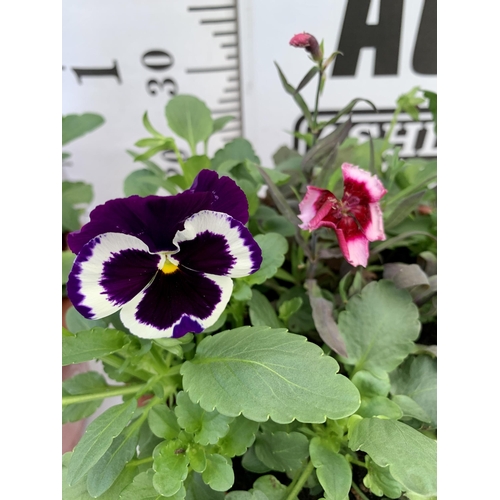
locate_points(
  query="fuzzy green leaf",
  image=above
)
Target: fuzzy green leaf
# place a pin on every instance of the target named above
(380, 481)
(74, 126)
(221, 122)
(171, 466)
(196, 489)
(240, 437)
(190, 119)
(262, 312)
(379, 326)
(417, 379)
(332, 469)
(163, 422)
(238, 150)
(281, 451)
(207, 427)
(111, 464)
(274, 247)
(263, 372)
(410, 455)
(98, 438)
(141, 488)
(219, 473)
(379, 405)
(270, 486)
(92, 344)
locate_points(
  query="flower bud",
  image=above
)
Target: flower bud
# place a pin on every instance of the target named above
(308, 42)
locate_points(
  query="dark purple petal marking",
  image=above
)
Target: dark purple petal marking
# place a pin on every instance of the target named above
(177, 303)
(152, 219)
(215, 243)
(229, 198)
(110, 270)
(126, 273)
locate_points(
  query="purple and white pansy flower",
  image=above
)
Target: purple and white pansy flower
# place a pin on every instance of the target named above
(166, 262)
(356, 219)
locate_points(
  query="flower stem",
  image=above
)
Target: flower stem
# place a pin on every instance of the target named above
(135, 463)
(107, 393)
(358, 491)
(316, 132)
(296, 486)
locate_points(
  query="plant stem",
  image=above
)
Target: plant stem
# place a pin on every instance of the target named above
(315, 133)
(394, 120)
(107, 393)
(135, 463)
(356, 462)
(358, 491)
(117, 362)
(296, 486)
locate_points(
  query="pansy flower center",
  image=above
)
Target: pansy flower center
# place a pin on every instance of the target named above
(167, 266)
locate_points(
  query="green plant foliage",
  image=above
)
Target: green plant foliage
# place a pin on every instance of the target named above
(244, 370)
(240, 437)
(92, 344)
(379, 326)
(332, 469)
(416, 379)
(410, 455)
(207, 427)
(282, 451)
(74, 196)
(236, 151)
(270, 486)
(189, 118)
(219, 473)
(98, 438)
(170, 466)
(163, 422)
(379, 480)
(74, 126)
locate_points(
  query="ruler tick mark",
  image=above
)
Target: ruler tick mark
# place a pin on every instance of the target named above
(211, 7)
(211, 70)
(217, 21)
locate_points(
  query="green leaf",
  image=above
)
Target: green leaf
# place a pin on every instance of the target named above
(410, 455)
(263, 372)
(83, 383)
(141, 488)
(410, 408)
(142, 182)
(252, 463)
(380, 481)
(197, 457)
(219, 473)
(98, 438)
(280, 201)
(262, 312)
(281, 451)
(68, 258)
(404, 208)
(379, 405)
(309, 76)
(432, 97)
(79, 490)
(167, 145)
(189, 118)
(322, 313)
(379, 326)
(274, 247)
(369, 385)
(332, 469)
(74, 126)
(171, 466)
(221, 122)
(288, 308)
(111, 464)
(163, 422)
(74, 196)
(198, 490)
(238, 150)
(417, 379)
(270, 486)
(207, 426)
(193, 165)
(149, 127)
(240, 437)
(246, 495)
(77, 323)
(92, 344)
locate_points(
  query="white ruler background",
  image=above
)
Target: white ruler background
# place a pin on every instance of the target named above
(124, 57)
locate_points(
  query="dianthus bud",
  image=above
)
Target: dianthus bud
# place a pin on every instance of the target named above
(308, 42)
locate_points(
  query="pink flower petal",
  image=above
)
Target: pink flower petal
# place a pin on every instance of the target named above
(374, 231)
(355, 248)
(310, 205)
(360, 183)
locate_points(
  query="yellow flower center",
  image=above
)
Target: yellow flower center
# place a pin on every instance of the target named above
(168, 267)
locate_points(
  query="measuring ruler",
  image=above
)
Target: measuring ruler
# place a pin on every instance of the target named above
(124, 57)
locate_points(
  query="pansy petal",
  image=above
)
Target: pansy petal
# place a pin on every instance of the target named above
(110, 270)
(153, 219)
(314, 207)
(215, 243)
(177, 303)
(361, 184)
(228, 197)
